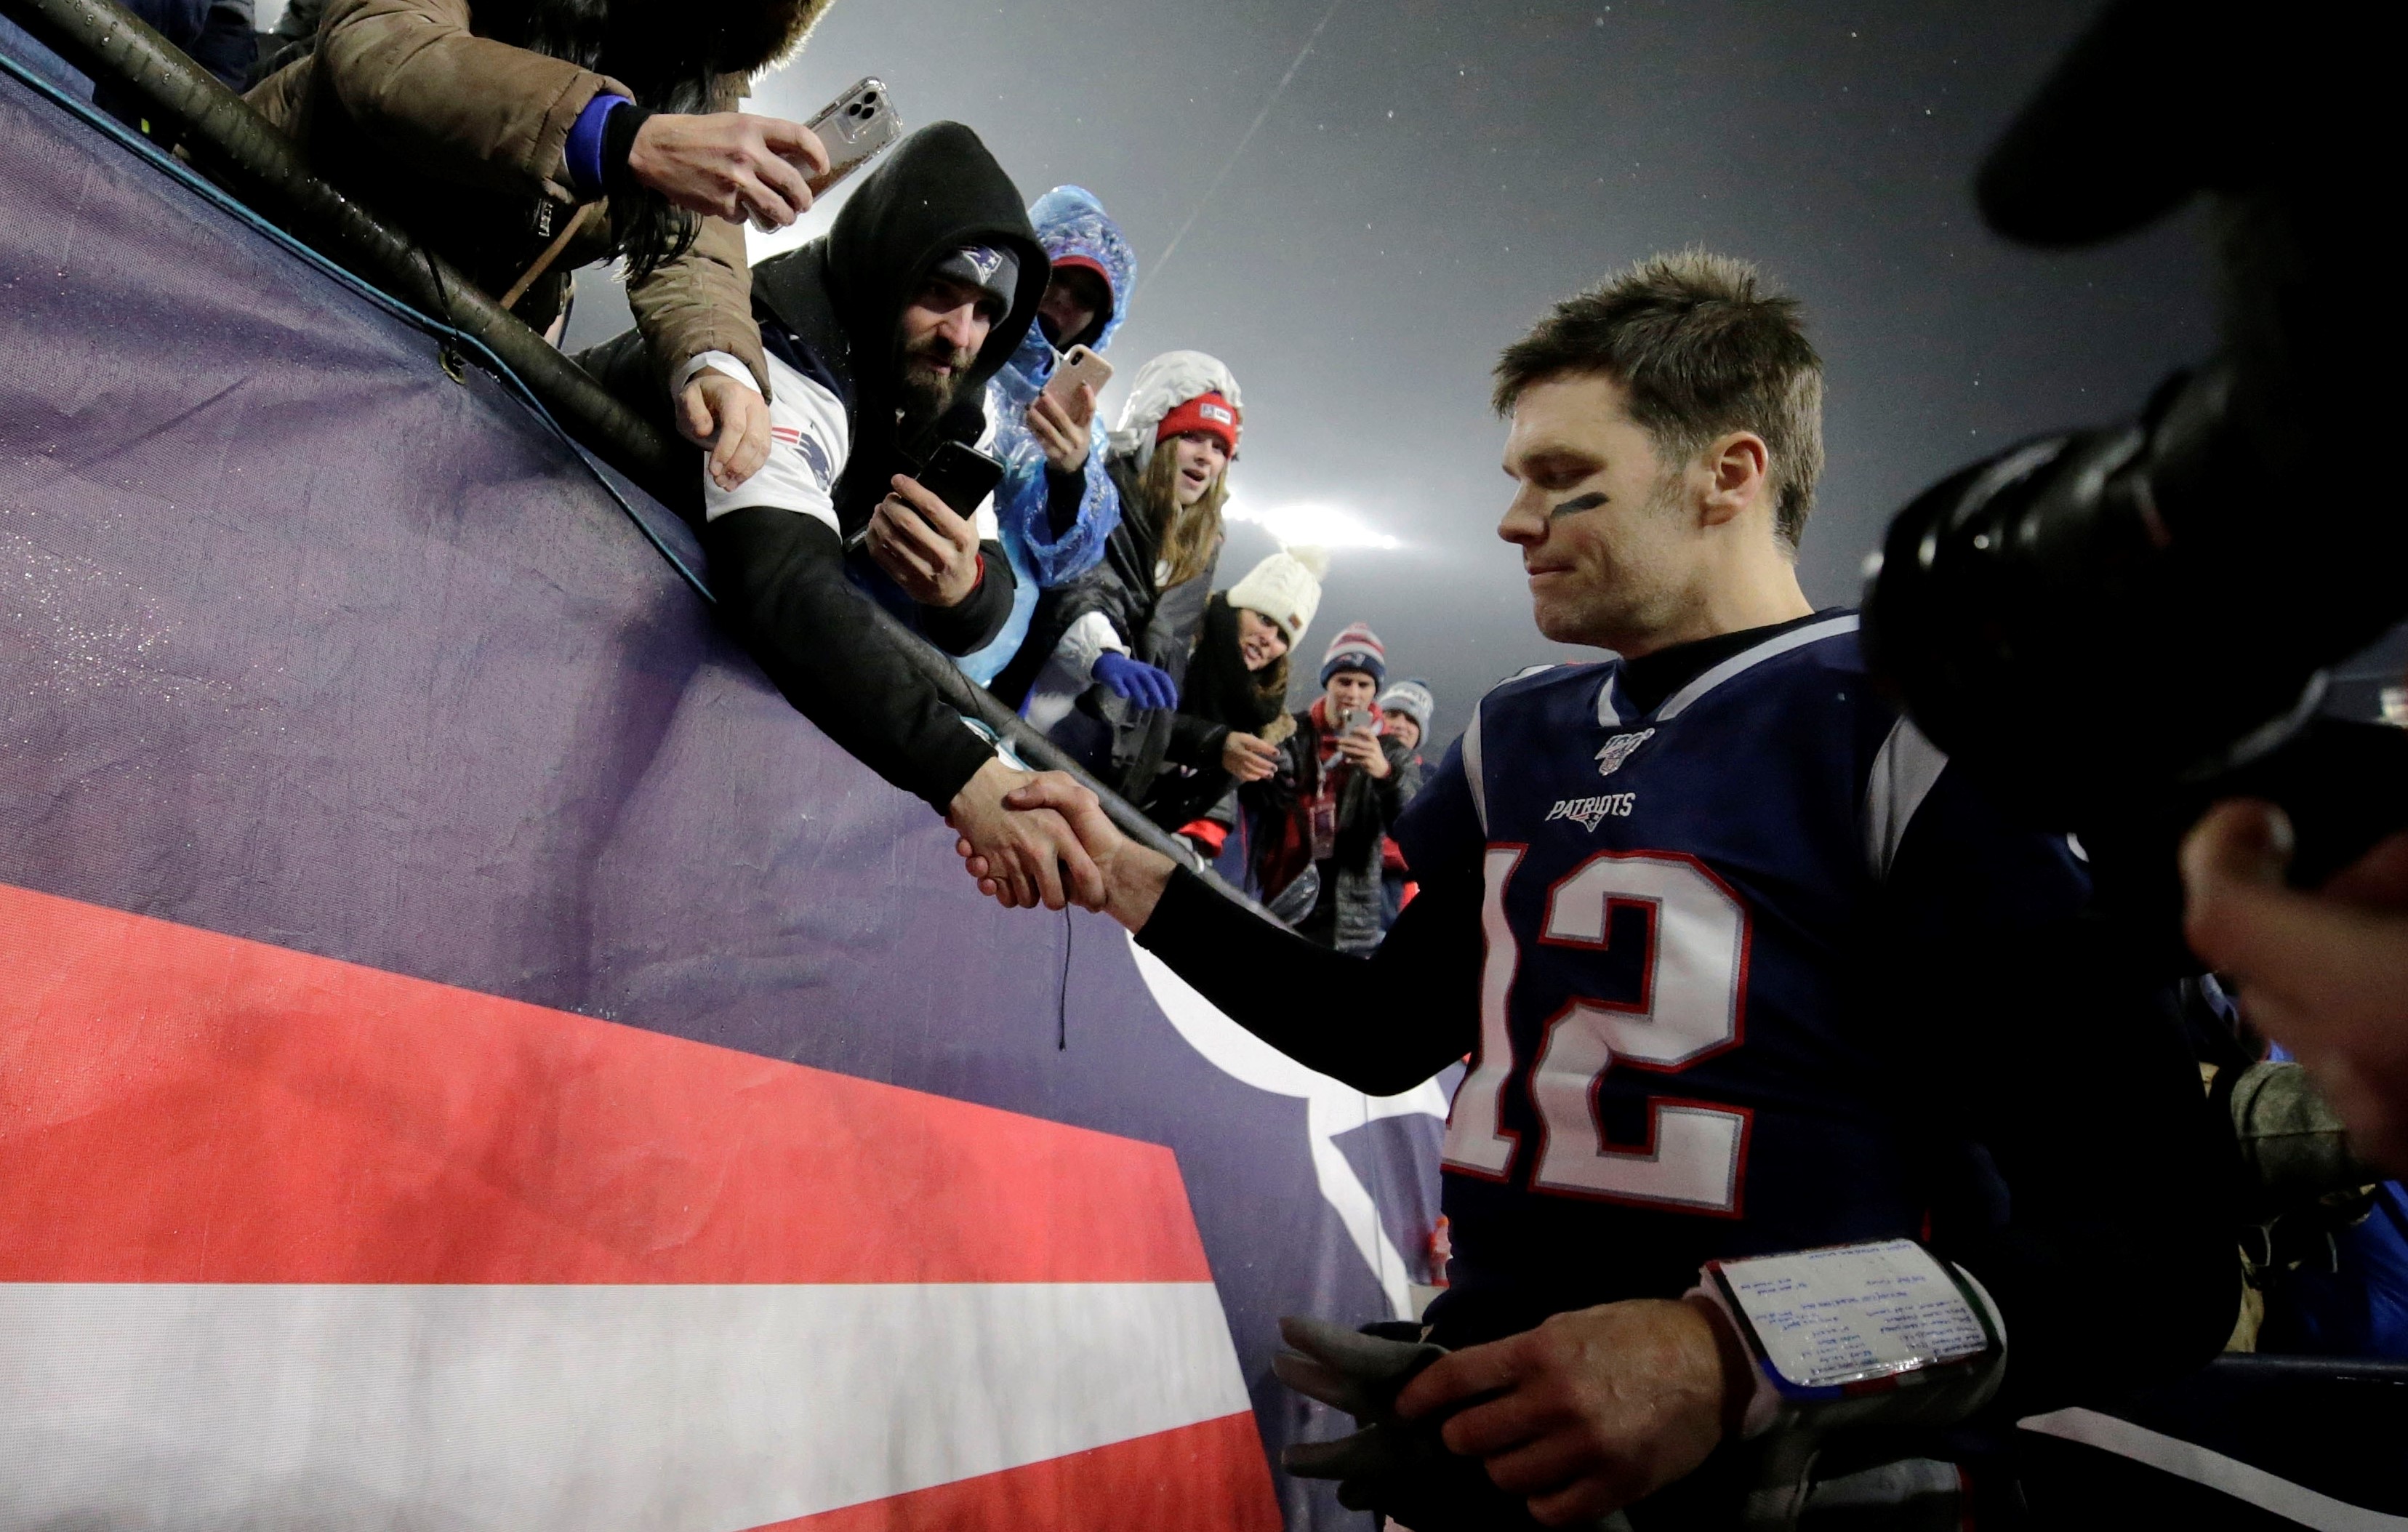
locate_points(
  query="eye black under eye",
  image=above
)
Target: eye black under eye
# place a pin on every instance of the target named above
(1579, 503)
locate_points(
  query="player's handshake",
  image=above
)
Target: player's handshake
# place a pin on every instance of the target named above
(1132, 876)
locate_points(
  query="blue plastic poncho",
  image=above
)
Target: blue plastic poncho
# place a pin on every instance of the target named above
(1070, 222)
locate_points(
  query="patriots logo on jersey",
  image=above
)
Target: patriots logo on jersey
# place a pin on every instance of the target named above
(1620, 748)
(1588, 813)
(815, 456)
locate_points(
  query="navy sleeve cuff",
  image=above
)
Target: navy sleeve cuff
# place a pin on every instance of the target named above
(585, 157)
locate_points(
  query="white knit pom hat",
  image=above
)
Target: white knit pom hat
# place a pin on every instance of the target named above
(1285, 588)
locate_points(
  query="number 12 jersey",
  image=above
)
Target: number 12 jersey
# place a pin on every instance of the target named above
(1680, 1056)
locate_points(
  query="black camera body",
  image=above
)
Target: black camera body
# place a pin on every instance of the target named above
(2120, 624)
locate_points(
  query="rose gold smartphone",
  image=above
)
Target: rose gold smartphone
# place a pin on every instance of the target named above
(1078, 366)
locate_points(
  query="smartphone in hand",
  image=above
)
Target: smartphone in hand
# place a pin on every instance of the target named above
(961, 477)
(1078, 366)
(853, 128)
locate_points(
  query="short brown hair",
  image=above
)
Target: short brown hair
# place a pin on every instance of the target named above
(1702, 349)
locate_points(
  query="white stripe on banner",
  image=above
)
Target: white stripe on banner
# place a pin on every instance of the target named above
(526, 1407)
(2229, 1475)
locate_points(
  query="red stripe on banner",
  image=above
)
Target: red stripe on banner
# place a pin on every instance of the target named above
(1210, 1477)
(181, 1106)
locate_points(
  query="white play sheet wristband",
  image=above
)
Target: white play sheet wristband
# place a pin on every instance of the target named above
(1831, 1330)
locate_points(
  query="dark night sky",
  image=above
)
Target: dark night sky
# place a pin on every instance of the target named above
(1433, 176)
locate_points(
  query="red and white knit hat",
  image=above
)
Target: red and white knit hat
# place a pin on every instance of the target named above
(1176, 384)
(1355, 648)
(1209, 413)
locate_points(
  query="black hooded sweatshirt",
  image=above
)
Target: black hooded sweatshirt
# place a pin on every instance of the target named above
(830, 311)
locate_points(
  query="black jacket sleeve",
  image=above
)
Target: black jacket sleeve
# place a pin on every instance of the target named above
(2052, 1050)
(972, 625)
(1196, 741)
(1308, 1000)
(781, 585)
(1396, 789)
(1065, 492)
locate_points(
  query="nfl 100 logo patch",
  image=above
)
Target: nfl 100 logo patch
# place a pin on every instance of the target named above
(1620, 748)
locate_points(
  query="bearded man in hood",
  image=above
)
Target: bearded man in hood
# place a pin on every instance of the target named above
(881, 337)
(520, 139)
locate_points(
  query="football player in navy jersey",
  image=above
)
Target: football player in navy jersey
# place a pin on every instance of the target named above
(1741, 966)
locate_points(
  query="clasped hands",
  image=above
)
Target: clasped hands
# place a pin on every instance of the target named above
(1041, 839)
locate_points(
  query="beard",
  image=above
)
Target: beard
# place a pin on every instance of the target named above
(926, 391)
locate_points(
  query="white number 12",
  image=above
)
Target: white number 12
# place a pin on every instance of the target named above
(1691, 992)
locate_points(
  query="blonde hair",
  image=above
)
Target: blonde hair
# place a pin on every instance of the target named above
(1189, 538)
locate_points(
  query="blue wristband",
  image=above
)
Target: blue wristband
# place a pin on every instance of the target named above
(585, 153)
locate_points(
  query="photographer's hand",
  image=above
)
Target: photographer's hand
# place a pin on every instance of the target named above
(1248, 757)
(2323, 973)
(924, 546)
(729, 165)
(1061, 431)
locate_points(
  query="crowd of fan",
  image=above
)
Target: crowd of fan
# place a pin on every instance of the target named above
(521, 141)
(1085, 591)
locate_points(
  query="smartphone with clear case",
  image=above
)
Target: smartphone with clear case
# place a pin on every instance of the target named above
(853, 128)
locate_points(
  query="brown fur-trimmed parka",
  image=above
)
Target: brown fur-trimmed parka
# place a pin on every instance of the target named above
(452, 123)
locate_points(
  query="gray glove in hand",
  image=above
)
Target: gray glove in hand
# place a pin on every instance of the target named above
(1397, 1467)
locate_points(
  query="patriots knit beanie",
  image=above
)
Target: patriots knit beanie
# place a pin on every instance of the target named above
(1285, 588)
(988, 268)
(1413, 699)
(1355, 648)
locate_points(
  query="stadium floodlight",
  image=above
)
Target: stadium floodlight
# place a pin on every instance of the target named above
(1299, 523)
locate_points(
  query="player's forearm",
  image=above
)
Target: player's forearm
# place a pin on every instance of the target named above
(1322, 1007)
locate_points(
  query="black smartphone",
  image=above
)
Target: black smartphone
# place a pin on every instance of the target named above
(960, 476)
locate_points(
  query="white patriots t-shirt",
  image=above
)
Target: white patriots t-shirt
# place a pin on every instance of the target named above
(810, 442)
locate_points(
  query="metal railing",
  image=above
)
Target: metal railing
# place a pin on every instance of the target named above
(228, 138)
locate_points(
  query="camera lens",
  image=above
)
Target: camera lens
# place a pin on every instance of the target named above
(870, 98)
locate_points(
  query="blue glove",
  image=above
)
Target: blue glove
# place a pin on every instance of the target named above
(1134, 681)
